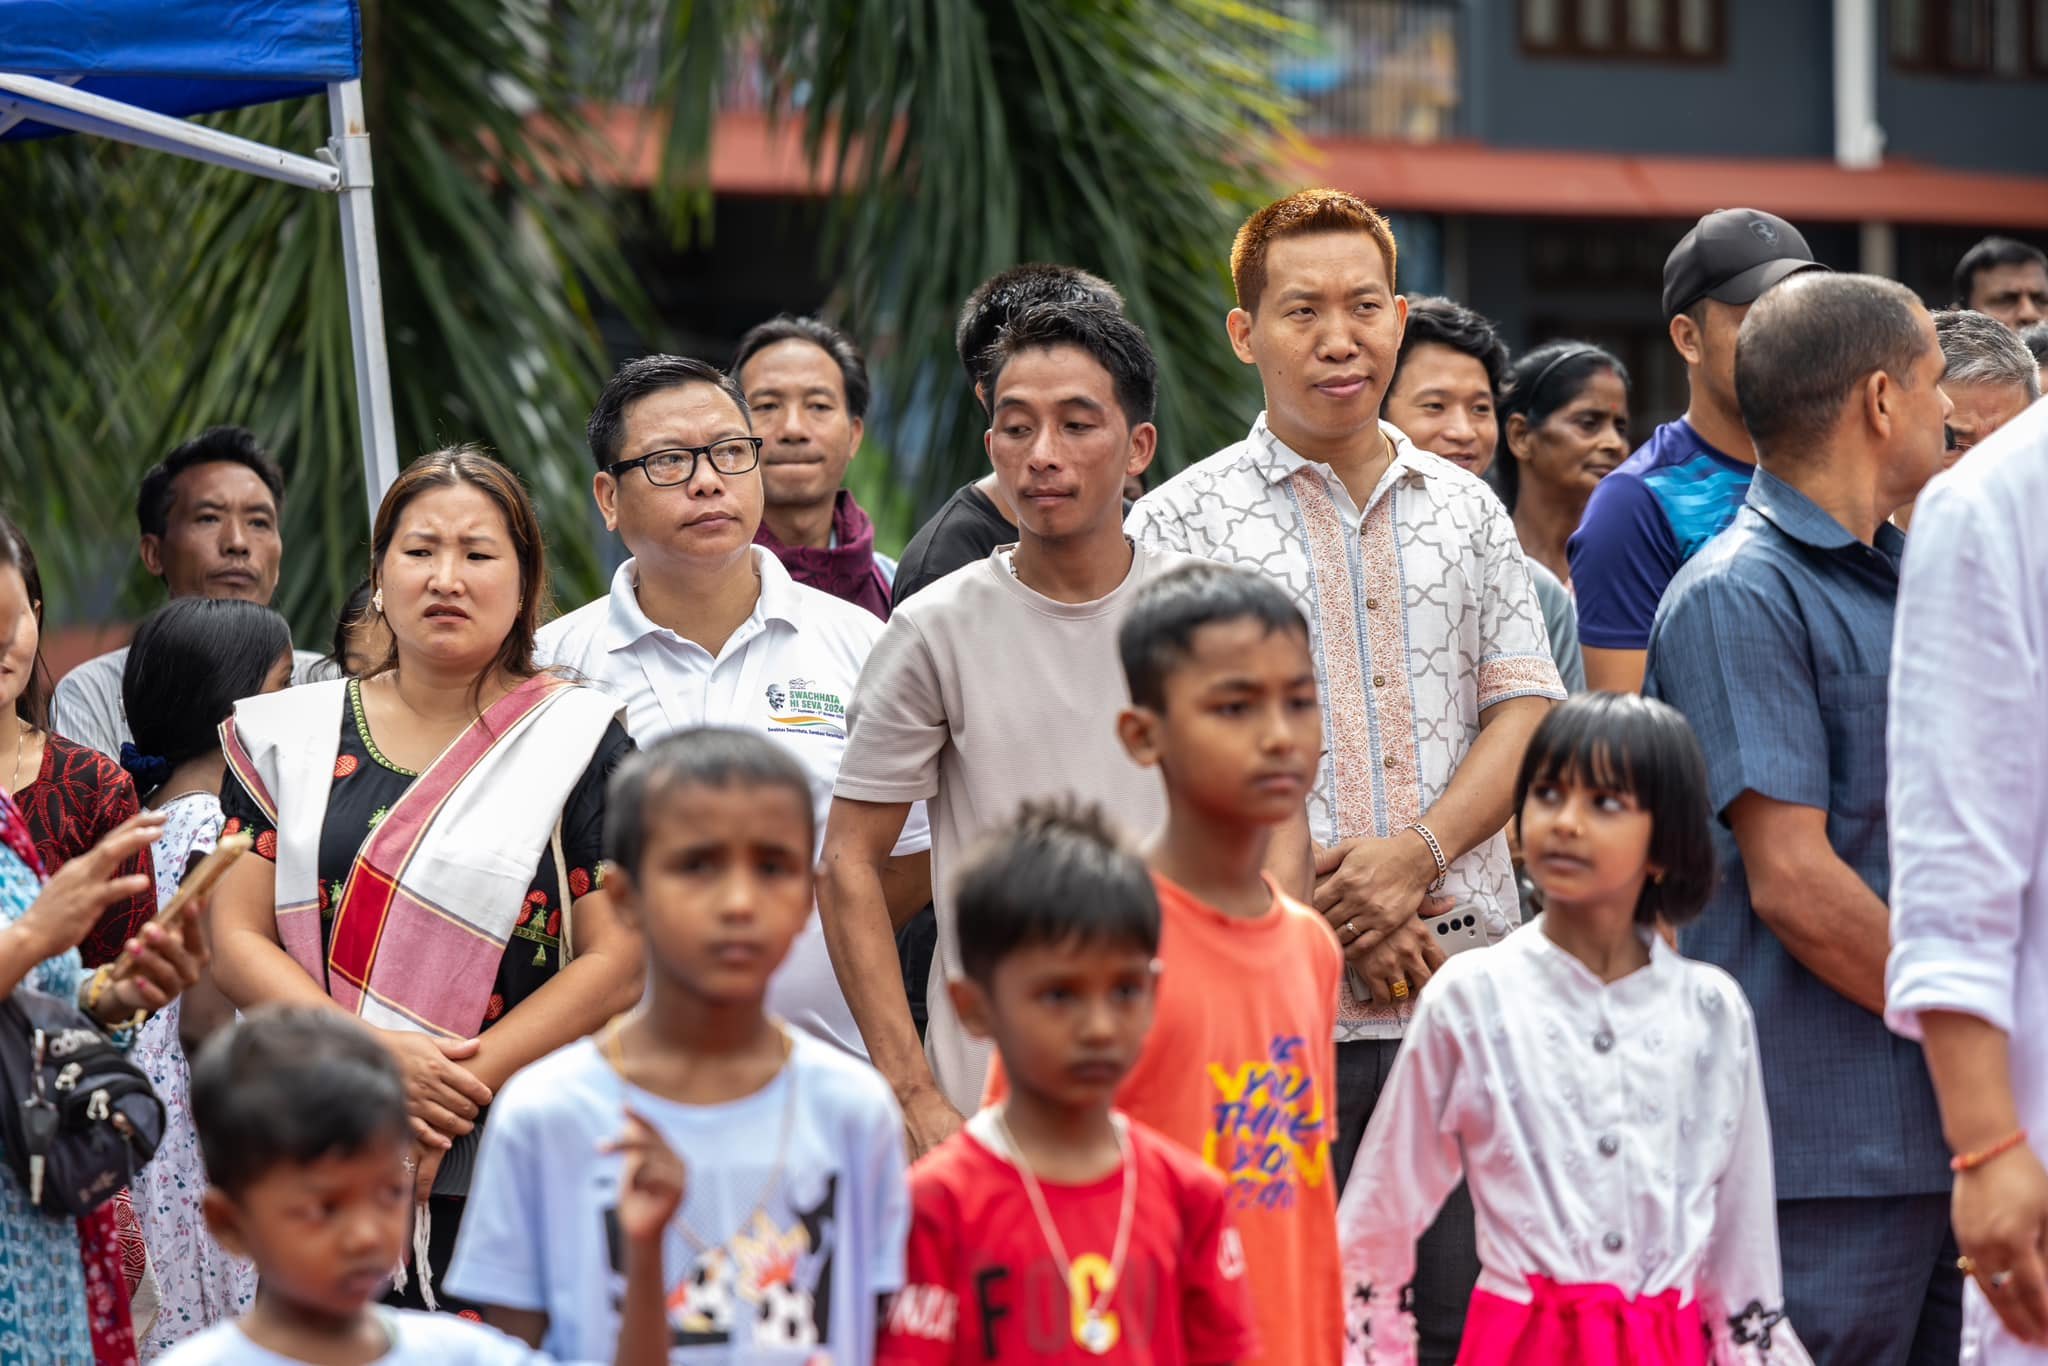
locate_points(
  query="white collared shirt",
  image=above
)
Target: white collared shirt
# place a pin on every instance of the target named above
(1421, 616)
(1969, 780)
(787, 672)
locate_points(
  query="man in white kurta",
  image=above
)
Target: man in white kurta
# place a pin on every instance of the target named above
(1968, 971)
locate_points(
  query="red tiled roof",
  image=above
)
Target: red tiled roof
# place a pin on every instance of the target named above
(750, 158)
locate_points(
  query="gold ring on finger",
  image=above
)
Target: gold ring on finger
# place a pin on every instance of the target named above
(1400, 988)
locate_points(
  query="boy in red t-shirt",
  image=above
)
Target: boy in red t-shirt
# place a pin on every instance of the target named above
(1052, 1229)
(1240, 1065)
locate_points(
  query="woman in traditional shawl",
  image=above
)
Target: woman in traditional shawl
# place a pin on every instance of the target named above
(430, 832)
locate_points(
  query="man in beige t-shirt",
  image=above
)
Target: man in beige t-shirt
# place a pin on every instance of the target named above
(999, 683)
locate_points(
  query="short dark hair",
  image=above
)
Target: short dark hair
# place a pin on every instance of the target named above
(17, 553)
(1055, 874)
(1989, 254)
(853, 366)
(705, 756)
(191, 660)
(1117, 344)
(214, 446)
(1435, 320)
(2035, 339)
(1538, 384)
(292, 1084)
(1002, 296)
(1158, 633)
(635, 380)
(1643, 747)
(1807, 344)
(355, 608)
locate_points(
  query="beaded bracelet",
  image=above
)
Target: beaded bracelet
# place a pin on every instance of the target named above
(1969, 1162)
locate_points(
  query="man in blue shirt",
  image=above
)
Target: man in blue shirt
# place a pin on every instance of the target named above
(1684, 484)
(1775, 641)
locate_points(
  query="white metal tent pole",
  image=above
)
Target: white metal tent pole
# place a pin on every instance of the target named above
(351, 149)
(77, 111)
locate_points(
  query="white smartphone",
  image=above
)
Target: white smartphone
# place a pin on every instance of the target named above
(1455, 931)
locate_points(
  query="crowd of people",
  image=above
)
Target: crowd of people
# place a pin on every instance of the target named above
(1425, 883)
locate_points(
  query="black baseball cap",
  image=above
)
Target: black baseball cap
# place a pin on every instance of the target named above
(1732, 256)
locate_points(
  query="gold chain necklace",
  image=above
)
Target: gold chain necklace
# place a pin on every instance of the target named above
(615, 1050)
(1094, 1332)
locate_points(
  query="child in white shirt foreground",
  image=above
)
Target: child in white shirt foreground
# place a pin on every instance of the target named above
(1599, 1094)
(793, 1228)
(302, 1121)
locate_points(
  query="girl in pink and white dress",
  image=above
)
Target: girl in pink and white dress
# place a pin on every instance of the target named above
(1599, 1094)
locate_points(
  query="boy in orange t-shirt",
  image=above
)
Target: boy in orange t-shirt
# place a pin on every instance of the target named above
(1239, 1066)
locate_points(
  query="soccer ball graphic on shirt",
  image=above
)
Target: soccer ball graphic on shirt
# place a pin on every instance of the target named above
(785, 1317)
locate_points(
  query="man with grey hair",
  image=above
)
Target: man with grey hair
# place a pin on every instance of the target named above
(1775, 641)
(1991, 380)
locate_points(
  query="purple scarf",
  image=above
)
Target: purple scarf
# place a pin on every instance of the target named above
(845, 569)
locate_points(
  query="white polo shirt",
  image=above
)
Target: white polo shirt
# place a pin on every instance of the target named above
(787, 672)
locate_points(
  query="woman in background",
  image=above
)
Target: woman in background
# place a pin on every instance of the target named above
(190, 662)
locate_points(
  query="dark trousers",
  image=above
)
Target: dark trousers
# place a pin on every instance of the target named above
(1447, 1256)
(916, 944)
(1872, 1282)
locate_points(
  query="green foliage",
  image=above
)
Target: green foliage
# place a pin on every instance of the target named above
(1129, 137)
(147, 297)
(189, 295)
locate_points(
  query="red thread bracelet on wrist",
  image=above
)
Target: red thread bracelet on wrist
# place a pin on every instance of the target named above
(1969, 1162)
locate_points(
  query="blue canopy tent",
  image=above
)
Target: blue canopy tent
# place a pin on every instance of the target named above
(135, 70)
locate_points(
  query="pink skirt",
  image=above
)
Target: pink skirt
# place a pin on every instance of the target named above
(1587, 1325)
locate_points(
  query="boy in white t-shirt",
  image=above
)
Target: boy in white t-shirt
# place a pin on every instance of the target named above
(793, 1227)
(301, 1117)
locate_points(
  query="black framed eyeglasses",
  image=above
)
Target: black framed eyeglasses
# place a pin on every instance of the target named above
(734, 455)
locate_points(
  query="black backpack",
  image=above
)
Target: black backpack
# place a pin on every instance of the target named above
(77, 1118)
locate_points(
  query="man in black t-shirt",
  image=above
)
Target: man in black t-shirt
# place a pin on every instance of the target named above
(974, 521)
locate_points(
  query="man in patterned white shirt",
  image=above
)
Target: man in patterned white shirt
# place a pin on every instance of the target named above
(1430, 647)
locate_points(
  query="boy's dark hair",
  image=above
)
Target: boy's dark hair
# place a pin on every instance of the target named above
(1644, 747)
(191, 660)
(635, 380)
(292, 1084)
(354, 608)
(1433, 319)
(215, 445)
(1117, 344)
(1004, 295)
(707, 756)
(853, 367)
(1056, 874)
(1989, 254)
(1159, 631)
(1537, 385)
(33, 706)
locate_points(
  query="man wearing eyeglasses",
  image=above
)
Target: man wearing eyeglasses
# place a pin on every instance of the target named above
(704, 628)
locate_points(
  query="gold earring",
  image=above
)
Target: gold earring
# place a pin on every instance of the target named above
(1657, 878)
(377, 602)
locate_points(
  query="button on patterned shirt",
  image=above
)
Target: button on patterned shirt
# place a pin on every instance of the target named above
(1421, 616)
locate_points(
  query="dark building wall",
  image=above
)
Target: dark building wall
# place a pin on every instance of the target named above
(1980, 123)
(1771, 95)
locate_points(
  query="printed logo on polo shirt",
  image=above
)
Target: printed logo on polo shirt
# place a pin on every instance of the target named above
(800, 707)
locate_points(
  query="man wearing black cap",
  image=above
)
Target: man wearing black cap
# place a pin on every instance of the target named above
(1685, 483)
